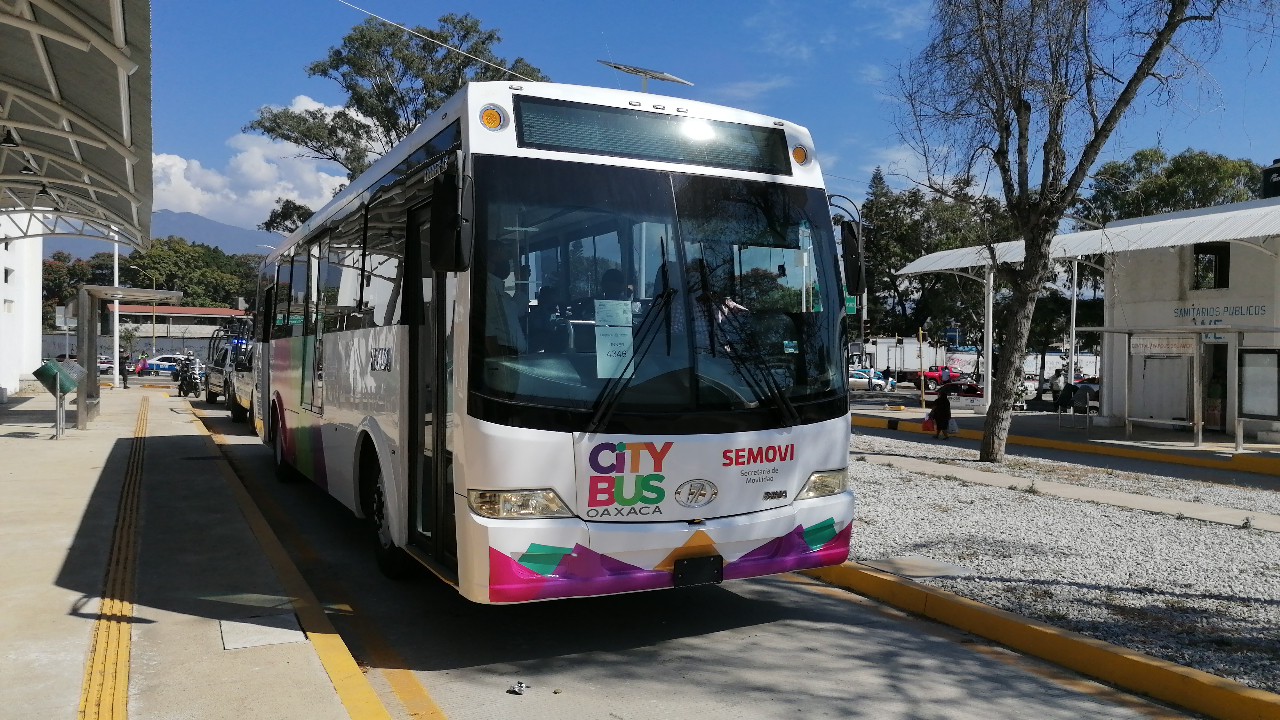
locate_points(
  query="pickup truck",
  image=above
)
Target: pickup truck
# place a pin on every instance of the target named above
(933, 376)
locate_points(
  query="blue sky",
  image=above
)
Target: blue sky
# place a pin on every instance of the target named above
(826, 65)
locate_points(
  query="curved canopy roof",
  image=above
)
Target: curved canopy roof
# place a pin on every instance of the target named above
(1255, 223)
(75, 119)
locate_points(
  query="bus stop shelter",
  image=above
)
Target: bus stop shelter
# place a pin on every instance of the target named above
(1254, 225)
(89, 312)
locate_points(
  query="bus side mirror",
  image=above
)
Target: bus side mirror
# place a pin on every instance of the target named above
(450, 232)
(855, 278)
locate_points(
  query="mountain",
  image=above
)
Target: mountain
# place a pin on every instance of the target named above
(195, 228)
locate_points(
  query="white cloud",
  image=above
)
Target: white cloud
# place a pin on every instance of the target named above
(872, 75)
(895, 19)
(748, 91)
(244, 191)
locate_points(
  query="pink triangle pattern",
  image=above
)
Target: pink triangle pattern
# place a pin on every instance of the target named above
(585, 572)
(581, 573)
(790, 552)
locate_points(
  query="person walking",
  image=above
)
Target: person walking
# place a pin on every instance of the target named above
(1057, 384)
(125, 368)
(941, 417)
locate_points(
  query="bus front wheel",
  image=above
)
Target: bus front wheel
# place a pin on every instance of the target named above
(284, 472)
(392, 561)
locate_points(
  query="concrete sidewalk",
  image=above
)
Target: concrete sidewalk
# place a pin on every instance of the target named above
(1047, 434)
(133, 579)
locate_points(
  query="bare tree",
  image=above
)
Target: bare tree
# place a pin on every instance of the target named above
(1031, 91)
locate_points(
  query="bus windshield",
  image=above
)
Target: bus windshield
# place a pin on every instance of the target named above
(666, 295)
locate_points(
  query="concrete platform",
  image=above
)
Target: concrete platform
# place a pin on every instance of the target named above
(134, 584)
(140, 580)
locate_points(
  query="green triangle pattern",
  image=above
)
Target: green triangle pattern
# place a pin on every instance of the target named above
(543, 559)
(815, 536)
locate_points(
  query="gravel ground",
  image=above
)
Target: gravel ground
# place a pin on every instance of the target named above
(1198, 594)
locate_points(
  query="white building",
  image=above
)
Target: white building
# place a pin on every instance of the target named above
(1205, 279)
(20, 292)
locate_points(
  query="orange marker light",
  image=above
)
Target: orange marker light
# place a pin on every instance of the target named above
(493, 117)
(800, 155)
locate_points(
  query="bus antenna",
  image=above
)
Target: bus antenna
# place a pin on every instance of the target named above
(644, 74)
(424, 37)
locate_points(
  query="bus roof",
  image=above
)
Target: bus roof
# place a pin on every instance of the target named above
(502, 93)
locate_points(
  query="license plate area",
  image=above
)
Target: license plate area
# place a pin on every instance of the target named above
(699, 571)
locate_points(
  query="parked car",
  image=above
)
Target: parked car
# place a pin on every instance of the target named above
(864, 380)
(163, 364)
(963, 395)
(933, 376)
(105, 366)
(167, 364)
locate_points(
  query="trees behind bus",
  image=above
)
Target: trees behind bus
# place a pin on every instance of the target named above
(393, 80)
(1034, 91)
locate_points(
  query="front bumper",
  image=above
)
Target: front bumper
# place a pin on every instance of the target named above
(546, 559)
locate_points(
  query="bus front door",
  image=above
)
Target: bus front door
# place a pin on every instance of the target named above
(432, 527)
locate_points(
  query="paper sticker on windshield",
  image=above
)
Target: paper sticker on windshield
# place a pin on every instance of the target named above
(613, 350)
(616, 313)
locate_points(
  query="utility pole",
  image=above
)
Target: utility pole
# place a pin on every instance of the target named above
(920, 353)
(153, 307)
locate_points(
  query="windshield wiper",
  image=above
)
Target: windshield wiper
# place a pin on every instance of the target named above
(607, 400)
(756, 374)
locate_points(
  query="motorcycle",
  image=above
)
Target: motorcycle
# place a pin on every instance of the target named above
(186, 372)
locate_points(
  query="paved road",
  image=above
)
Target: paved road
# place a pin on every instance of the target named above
(764, 648)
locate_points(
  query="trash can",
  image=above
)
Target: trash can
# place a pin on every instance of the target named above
(54, 377)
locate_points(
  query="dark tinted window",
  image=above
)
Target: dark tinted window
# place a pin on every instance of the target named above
(548, 124)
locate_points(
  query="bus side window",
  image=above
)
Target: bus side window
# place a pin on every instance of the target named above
(284, 284)
(299, 303)
(266, 314)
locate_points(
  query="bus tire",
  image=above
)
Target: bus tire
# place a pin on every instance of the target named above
(393, 562)
(284, 472)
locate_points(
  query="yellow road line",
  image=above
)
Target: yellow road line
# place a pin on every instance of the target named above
(1184, 687)
(104, 692)
(353, 688)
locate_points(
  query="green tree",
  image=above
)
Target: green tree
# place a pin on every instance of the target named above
(206, 275)
(286, 217)
(1150, 182)
(902, 226)
(1034, 90)
(61, 277)
(393, 80)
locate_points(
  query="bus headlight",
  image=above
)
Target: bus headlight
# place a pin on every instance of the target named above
(517, 504)
(824, 483)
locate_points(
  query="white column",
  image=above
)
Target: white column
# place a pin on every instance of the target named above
(1071, 342)
(987, 338)
(115, 324)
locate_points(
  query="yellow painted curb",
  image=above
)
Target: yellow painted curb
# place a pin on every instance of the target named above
(353, 688)
(1240, 463)
(1185, 687)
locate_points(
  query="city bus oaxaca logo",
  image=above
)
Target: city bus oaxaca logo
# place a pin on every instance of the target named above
(628, 479)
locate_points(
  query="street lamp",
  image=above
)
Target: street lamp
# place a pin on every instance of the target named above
(153, 307)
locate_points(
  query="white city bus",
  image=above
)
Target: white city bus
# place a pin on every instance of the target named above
(566, 341)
